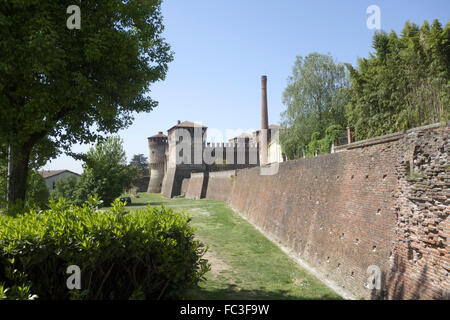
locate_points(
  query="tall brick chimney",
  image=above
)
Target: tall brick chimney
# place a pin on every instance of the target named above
(264, 122)
(264, 116)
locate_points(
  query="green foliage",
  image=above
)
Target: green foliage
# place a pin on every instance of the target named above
(323, 145)
(150, 253)
(315, 98)
(3, 180)
(21, 288)
(105, 172)
(66, 189)
(60, 86)
(405, 83)
(139, 163)
(37, 194)
(37, 191)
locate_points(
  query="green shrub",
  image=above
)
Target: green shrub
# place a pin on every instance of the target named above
(21, 290)
(149, 253)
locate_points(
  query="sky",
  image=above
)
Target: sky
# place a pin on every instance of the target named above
(221, 49)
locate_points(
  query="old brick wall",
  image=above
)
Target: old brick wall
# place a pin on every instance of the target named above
(220, 185)
(184, 186)
(346, 211)
(420, 263)
(195, 186)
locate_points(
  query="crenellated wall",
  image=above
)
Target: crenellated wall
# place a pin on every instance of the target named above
(381, 202)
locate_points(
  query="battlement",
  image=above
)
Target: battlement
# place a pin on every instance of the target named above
(231, 153)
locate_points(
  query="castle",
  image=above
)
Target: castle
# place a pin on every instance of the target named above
(184, 151)
(378, 204)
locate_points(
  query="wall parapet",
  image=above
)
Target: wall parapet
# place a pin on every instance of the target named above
(387, 138)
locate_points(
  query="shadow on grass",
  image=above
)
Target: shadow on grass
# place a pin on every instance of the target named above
(233, 292)
(142, 204)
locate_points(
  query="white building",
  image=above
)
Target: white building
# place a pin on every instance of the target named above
(51, 176)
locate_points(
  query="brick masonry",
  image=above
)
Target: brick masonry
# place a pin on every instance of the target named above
(184, 186)
(195, 189)
(381, 202)
(220, 185)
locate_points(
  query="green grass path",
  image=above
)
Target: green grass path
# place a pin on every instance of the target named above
(244, 263)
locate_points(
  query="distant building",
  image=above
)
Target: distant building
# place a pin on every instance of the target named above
(275, 153)
(51, 176)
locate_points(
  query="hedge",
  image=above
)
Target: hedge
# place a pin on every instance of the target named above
(149, 253)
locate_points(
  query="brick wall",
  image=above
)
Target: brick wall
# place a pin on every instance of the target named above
(184, 186)
(195, 187)
(346, 211)
(420, 263)
(220, 185)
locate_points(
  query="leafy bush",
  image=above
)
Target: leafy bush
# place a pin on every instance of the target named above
(21, 289)
(149, 253)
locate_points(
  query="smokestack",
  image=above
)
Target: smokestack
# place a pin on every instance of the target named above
(264, 116)
(264, 122)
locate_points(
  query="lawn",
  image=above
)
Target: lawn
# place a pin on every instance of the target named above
(244, 263)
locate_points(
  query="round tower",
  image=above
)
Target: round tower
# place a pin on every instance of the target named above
(157, 146)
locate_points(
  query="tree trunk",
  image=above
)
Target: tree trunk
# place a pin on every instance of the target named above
(17, 184)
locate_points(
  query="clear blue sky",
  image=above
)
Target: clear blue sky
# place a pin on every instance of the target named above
(223, 47)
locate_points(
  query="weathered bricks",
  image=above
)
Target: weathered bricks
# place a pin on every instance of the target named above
(383, 204)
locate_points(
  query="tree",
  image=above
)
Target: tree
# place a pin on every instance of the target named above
(36, 197)
(37, 192)
(60, 86)
(65, 188)
(315, 99)
(106, 172)
(323, 145)
(405, 83)
(140, 163)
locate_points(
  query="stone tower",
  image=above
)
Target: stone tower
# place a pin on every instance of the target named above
(157, 145)
(186, 142)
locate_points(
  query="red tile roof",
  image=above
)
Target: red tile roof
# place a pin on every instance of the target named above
(187, 124)
(50, 173)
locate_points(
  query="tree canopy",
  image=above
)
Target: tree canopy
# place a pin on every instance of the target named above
(60, 86)
(140, 163)
(315, 99)
(106, 172)
(405, 83)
